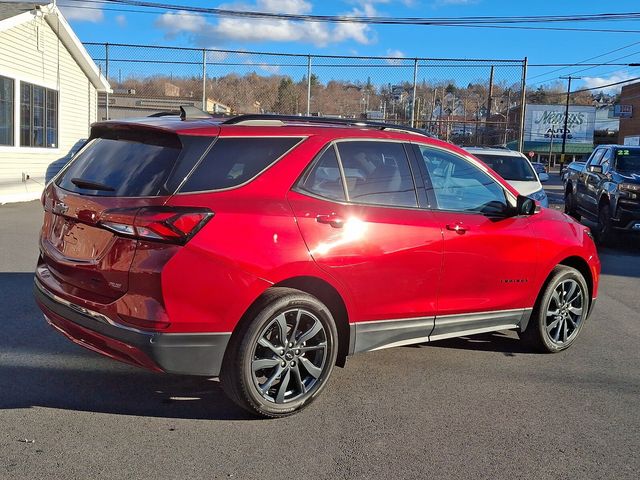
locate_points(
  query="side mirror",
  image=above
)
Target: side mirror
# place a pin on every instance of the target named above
(544, 177)
(525, 205)
(595, 168)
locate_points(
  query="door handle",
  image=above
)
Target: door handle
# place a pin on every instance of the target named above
(459, 228)
(336, 221)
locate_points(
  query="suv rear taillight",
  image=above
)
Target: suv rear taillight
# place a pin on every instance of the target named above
(164, 224)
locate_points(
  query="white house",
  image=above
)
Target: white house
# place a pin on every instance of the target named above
(48, 96)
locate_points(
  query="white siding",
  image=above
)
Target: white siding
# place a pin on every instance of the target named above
(53, 67)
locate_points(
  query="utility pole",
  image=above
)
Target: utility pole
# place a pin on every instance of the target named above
(553, 132)
(489, 108)
(566, 119)
(490, 96)
(308, 85)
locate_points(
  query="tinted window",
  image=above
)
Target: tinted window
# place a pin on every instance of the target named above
(377, 173)
(628, 160)
(596, 157)
(606, 160)
(509, 167)
(539, 167)
(459, 185)
(234, 161)
(324, 178)
(125, 165)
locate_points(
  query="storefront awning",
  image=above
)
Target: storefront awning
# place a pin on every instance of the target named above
(543, 148)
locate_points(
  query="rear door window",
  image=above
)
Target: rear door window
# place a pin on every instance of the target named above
(123, 164)
(324, 179)
(233, 161)
(377, 173)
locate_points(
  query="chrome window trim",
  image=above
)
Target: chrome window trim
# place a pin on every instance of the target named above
(333, 143)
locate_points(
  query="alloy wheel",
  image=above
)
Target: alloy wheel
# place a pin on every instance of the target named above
(289, 356)
(565, 312)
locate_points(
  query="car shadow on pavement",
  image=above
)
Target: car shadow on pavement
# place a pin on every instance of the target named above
(116, 392)
(41, 368)
(506, 343)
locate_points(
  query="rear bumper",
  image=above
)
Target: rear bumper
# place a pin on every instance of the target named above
(179, 353)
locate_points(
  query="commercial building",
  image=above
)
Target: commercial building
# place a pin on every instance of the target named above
(628, 110)
(49, 89)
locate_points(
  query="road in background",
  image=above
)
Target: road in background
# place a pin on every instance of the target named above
(477, 407)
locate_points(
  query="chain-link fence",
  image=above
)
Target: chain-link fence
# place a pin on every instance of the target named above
(468, 102)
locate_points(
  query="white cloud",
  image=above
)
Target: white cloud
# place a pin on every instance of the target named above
(214, 56)
(248, 30)
(180, 22)
(394, 54)
(359, 32)
(121, 20)
(594, 82)
(82, 12)
(272, 69)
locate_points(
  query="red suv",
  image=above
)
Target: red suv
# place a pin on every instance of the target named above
(266, 249)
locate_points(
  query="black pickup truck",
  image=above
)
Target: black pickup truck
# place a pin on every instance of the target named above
(606, 190)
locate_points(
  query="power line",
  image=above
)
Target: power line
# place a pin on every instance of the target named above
(629, 80)
(510, 27)
(451, 25)
(584, 61)
(613, 60)
(377, 20)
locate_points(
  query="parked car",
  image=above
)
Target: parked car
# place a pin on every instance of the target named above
(606, 189)
(541, 170)
(266, 249)
(516, 169)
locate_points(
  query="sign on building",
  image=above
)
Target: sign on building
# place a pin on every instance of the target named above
(623, 111)
(544, 123)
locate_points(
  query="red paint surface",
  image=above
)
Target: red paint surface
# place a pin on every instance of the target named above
(386, 263)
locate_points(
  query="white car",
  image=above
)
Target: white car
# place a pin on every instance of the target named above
(515, 168)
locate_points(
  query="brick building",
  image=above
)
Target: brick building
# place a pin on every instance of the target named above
(630, 127)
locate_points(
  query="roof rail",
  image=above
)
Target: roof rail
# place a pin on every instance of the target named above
(163, 114)
(274, 119)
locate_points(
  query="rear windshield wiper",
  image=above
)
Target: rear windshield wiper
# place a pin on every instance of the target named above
(91, 185)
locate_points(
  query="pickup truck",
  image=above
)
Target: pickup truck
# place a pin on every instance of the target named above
(606, 189)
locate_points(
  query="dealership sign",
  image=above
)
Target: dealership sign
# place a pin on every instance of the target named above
(545, 123)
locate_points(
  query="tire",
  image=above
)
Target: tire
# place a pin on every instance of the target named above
(570, 205)
(604, 231)
(550, 332)
(259, 361)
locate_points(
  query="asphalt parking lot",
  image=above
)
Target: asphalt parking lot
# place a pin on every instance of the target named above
(480, 407)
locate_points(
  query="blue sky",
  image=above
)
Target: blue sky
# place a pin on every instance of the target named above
(408, 41)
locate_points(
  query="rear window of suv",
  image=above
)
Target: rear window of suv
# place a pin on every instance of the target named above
(233, 161)
(123, 164)
(509, 167)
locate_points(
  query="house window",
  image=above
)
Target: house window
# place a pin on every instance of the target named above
(38, 116)
(6, 111)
